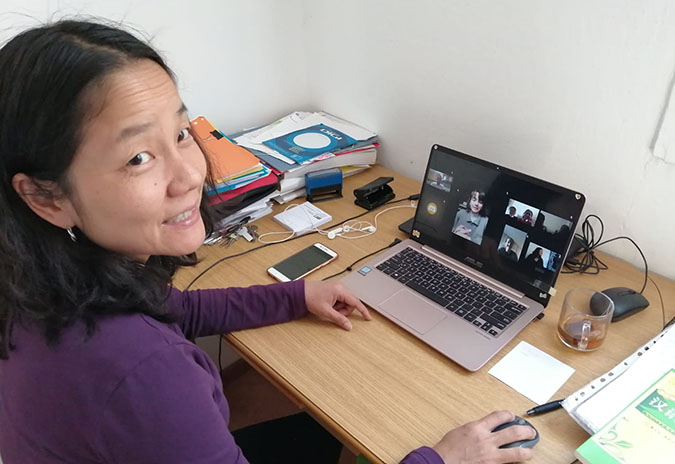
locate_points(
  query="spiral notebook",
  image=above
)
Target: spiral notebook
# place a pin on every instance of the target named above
(598, 402)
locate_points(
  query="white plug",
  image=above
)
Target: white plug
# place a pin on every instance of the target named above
(333, 233)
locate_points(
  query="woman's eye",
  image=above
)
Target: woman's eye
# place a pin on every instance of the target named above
(141, 158)
(183, 134)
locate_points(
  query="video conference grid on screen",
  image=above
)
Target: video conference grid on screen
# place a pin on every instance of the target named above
(503, 223)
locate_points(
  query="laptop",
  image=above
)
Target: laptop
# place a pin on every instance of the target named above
(486, 248)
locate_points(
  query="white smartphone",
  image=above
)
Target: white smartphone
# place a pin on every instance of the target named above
(302, 263)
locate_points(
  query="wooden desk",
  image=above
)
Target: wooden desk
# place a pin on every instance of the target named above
(380, 390)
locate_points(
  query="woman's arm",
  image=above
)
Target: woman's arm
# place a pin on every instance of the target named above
(215, 311)
(423, 455)
(476, 443)
(209, 312)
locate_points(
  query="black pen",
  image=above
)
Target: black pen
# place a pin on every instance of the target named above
(542, 408)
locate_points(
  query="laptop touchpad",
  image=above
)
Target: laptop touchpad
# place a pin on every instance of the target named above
(413, 311)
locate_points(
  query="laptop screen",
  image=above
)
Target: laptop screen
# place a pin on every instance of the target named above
(508, 225)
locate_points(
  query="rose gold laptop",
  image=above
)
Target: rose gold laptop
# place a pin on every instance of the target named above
(486, 248)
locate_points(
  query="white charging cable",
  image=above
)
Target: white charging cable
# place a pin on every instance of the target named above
(364, 227)
(289, 234)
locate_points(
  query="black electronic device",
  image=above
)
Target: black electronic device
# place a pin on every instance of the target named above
(626, 302)
(521, 443)
(577, 247)
(406, 226)
(374, 194)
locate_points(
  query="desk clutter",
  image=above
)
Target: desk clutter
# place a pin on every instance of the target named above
(253, 168)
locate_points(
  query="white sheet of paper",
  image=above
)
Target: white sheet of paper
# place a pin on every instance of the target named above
(531, 372)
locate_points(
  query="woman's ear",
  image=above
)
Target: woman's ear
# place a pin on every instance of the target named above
(46, 200)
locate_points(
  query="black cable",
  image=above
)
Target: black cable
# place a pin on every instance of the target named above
(663, 308)
(349, 268)
(644, 284)
(589, 263)
(201, 274)
(410, 198)
(220, 338)
(584, 260)
(413, 197)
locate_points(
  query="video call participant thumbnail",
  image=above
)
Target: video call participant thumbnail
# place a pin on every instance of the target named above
(471, 219)
(506, 250)
(535, 261)
(439, 180)
(512, 243)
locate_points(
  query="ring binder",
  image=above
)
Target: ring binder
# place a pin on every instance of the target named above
(596, 403)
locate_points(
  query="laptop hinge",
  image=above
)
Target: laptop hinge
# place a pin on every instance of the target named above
(467, 270)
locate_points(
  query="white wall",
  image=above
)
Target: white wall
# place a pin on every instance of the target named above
(567, 91)
(240, 63)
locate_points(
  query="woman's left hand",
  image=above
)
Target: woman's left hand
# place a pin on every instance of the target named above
(332, 301)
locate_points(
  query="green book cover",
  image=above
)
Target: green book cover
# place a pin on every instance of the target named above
(644, 432)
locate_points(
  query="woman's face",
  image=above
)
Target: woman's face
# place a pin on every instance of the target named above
(135, 183)
(475, 204)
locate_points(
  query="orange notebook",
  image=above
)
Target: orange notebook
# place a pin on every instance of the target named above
(227, 159)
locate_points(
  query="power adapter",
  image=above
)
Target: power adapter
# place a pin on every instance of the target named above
(577, 247)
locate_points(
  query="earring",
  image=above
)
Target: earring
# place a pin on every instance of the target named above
(71, 234)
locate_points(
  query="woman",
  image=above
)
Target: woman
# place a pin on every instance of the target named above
(470, 221)
(101, 200)
(535, 261)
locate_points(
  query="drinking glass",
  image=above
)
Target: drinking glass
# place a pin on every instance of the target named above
(584, 319)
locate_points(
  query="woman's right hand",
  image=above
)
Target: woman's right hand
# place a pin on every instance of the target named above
(476, 443)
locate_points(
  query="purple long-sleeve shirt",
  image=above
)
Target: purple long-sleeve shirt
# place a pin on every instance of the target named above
(137, 391)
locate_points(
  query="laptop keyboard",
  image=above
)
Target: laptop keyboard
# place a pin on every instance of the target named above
(477, 304)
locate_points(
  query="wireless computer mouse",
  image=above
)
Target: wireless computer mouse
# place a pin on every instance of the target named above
(522, 443)
(626, 302)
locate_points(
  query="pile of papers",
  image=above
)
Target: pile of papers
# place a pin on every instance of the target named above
(303, 142)
(255, 167)
(243, 185)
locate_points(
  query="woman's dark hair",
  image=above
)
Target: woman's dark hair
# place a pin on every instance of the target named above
(45, 74)
(481, 199)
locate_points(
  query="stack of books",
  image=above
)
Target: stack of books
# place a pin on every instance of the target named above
(243, 184)
(303, 142)
(255, 167)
